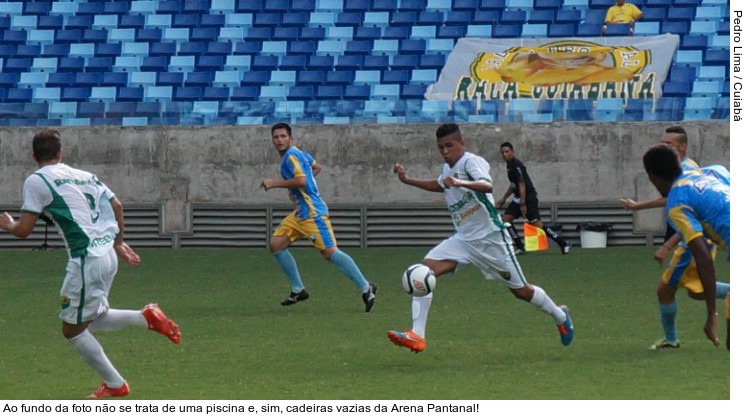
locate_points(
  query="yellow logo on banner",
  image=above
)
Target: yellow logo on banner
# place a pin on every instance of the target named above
(558, 70)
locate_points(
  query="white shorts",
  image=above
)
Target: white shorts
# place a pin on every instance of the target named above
(493, 255)
(84, 292)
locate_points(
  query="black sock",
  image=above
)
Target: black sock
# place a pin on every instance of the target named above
(515, 237)
(554, 236)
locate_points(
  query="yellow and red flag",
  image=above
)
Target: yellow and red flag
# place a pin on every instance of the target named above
(534, 238)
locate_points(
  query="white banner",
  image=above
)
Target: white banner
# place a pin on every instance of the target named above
(556, 68)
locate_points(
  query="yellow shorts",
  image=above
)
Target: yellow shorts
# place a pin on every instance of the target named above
(682, 270)
(318, 230)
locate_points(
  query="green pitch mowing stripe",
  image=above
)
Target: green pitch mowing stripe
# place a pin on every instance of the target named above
(239, 343)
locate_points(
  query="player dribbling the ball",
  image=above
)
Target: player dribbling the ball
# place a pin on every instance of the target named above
(480, 239)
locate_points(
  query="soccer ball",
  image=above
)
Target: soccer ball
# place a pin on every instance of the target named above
(419, 280)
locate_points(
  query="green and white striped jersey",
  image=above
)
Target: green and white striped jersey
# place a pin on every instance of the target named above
(78, 203)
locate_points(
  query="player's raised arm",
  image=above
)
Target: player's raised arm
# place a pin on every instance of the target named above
(428, 185)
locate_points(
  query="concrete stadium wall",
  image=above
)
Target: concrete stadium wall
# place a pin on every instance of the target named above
(176, 166)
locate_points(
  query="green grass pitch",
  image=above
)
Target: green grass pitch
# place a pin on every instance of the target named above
(239, 343)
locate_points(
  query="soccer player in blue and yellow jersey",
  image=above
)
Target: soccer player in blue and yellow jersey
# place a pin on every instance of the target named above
(698, 207)
(309, 220)
(681, 271)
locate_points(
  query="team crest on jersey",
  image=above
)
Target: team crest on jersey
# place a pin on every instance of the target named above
(505, 275)
(64, 301)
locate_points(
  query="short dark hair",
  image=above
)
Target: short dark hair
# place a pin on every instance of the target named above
(46, 145)
(663, 162)
(508, 145)
(282, 125)
(679, 131)
(446, 129)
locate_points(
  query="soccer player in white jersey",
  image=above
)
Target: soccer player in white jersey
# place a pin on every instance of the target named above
(91, 221)
(480, 239)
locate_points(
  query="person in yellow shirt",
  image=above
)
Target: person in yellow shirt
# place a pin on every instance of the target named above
(622, 13)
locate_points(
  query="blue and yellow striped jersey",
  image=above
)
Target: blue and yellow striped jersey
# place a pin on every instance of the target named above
(297, 163)
(699, 204)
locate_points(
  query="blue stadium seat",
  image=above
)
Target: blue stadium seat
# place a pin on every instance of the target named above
(17, 65)
(343, 77)
(395, 33)
(363, 48)
(699, 108)
(412, 46)
(658, 3)
(126, 64)
(324, 63)
(376, 62)
(465, 4)
(432, 61)
(50, 22)
(542, 16)
(137, 49)
(609, 109)
(534, 30)
(702, 88)
(158, 93)
(217, 94)
(68, 36)
(703, 27)
(196, 6)
(181, 63)
(106, 64)
(293, 62)
(601, 4)
(267, 19)
(689, 58)
(311, 77)
(46, 95)
(102, 94)
(352, 92)
(88, 79)
(29, 80)
(579, 110)
(247, 48)
(91, 110)
(410, 91)
(265, 62)
(188, 93)
(547, 4)
(209, 63)
(273, 93)
(666, 109)
(255, 78)
(75, 94)
(282, 78)
(160, 22)
(367, 77)
(166, 78)
(199, 78)
(115, 79)
(185, 21)
(676, 89)
(69, 67)
(513, 17)
(54, 80)
(108, 50)
(245, 93)
(684, 14)
(507, 31)
(405, 62)
(120, 109)
(561, 30)
(621, 29)
(451, 32)
(301, 93)
(694, 42)
(155, 63)
(44, 65)
(713, 13)
(678, 28)
(40, 36)
(349, 62)
(707, 73)
(654, 14)
(129, 21)
(204, 34)
(104, 21)
(153, 35)
(403, 18)
(643, 28)
(142, 78)
(478, 31)
(716, 57)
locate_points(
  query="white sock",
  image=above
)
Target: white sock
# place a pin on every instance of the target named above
(419, 312)
(116, 319)
(92, 352)
(542, 301)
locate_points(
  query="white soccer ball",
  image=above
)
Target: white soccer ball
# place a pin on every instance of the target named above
(419, 280)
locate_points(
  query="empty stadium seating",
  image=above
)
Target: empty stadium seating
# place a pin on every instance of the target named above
(380, 55)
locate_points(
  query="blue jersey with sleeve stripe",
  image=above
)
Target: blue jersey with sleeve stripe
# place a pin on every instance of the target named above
(699, 204)
(297, 163)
